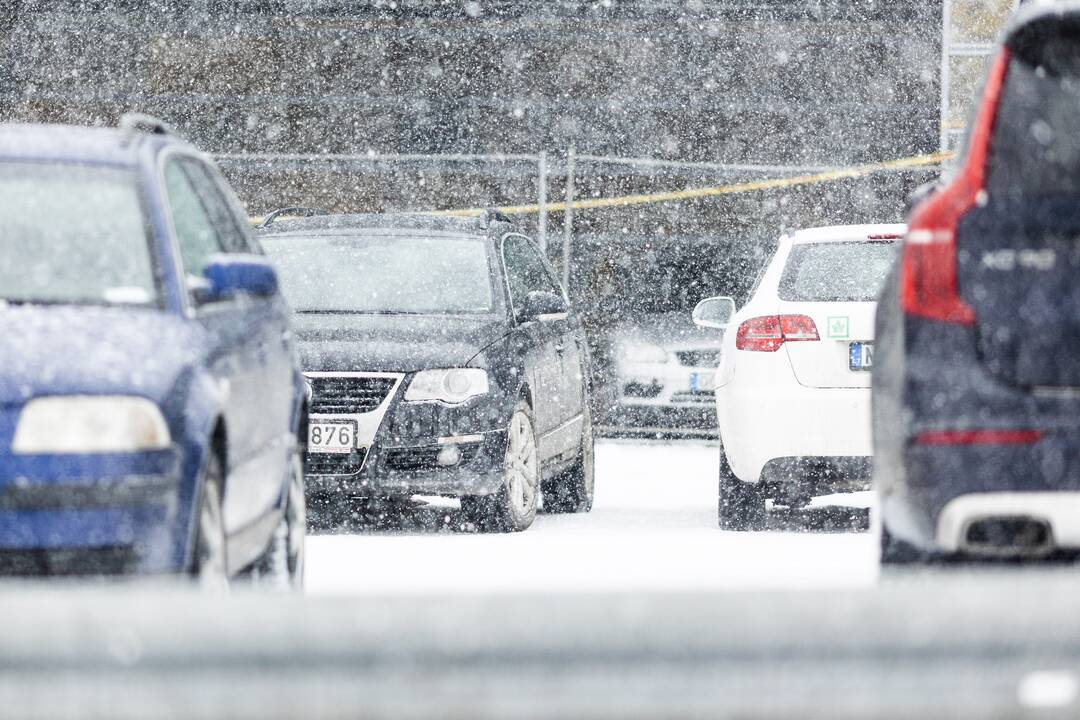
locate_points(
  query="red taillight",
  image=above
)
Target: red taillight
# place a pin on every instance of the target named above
(768, 332)
(928, 286)
(978, 437)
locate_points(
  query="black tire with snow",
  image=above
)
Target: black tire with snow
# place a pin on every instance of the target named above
(741, 506)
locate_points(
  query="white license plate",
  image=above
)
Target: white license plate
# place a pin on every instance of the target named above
(860, 356)
(702, 381)
(331, 436)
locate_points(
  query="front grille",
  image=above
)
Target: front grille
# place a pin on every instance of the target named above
(699, 358)
(119, 560)
(347, 394)
(334, 463)
(425, 458)
(641, 390)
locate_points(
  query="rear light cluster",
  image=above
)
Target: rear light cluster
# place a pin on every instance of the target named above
(768, 332)
(928, 286)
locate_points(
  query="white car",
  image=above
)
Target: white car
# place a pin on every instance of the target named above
(793, 384)
(665, 371)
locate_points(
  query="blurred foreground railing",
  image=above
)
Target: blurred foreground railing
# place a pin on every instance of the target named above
(948, 644)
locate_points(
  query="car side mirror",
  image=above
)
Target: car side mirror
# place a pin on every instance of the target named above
(542, 305)
(714, 312)
(226, 276)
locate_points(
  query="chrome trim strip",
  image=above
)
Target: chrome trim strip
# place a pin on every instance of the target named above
(459, 439)
(580, 417)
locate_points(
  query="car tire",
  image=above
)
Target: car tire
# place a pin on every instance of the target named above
(513, 507)
(209, 562)
(281, 567)
(572, 491)
(741, 506)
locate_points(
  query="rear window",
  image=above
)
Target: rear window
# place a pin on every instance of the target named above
(1036, 146)
(836, 272)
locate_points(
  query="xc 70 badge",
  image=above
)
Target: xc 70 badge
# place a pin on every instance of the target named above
(1027, 259)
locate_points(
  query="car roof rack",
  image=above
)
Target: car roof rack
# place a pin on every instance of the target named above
(304, 212)
(493, 215)
(132, 123)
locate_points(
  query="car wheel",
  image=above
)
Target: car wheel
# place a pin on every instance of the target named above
(513, 507)
(741, 505)
(572, 491)
(209, 565)
(282, 565)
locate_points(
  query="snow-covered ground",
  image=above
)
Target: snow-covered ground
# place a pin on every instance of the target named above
(653, 528)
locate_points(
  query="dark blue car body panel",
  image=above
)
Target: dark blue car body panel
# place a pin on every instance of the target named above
(143, 502)
(1013, 369)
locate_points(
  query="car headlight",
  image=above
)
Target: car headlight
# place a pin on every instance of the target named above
(90, 424)
(453, 385)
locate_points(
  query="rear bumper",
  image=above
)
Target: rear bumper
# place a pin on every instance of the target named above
(762, 420)
(90, 515)
(1058, 511)
(948, 489)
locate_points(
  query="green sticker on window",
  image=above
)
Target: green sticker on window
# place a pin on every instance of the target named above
(838, 327)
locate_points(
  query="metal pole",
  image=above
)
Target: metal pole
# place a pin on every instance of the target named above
(541, 200)
(946, 78)
(568, 219)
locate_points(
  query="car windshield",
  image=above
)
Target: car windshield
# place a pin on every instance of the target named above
(384, 274)
(836, 271)
(73, 234)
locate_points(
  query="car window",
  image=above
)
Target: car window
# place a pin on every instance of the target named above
(73, 234)
(393, 274)
(233, 238)
(195, 230)
(525, 271)
(836, 272)
(1034, 152)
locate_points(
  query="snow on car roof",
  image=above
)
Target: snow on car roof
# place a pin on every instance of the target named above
(847, 233)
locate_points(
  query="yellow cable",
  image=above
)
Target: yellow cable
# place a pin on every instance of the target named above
(692, 193)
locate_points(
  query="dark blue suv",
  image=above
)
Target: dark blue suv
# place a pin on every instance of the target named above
(976, 387)
(150, 398)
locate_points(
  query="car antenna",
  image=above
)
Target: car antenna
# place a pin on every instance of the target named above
(292, 212)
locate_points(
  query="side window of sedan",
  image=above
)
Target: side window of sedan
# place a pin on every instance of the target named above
(233, 238)
(195, 230)
(525, 271)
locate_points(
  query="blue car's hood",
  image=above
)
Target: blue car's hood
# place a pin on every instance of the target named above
(54, 350)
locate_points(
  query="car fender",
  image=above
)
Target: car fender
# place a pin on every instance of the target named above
(203, 403)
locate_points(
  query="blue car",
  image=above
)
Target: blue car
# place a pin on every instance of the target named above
(976, 386)
(150, 397)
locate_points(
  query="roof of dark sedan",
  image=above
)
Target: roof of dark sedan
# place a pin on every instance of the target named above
(73, 143)
(405, 223)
